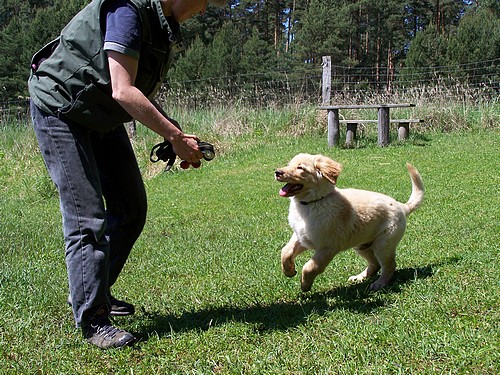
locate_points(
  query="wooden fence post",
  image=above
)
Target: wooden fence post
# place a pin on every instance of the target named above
(333, 115)
(326, 87)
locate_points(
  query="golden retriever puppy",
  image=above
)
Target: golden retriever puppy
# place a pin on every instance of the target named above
(328, 220)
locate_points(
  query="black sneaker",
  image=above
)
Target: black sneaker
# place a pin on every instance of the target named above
(103, 334)
(118, 308)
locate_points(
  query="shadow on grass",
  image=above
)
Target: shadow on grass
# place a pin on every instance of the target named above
(282, 315)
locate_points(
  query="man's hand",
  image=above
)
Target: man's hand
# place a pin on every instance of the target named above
(186, 148)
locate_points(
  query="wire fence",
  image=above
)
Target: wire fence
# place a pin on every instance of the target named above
(478, 81)
(469, 83)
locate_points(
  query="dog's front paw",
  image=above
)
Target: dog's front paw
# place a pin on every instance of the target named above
(306, 281)
(288, 267)
(289, 272)
(305, 286)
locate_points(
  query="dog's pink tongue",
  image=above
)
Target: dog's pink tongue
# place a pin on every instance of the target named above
(284, 191)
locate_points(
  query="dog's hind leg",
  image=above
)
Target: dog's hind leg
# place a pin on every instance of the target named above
(373, 265)
(314, 267)
(384, 250)
(288, 254)
(386, 257)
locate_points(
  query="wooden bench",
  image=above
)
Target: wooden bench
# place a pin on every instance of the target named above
(383, 122)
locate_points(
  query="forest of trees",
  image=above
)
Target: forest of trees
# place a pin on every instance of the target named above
(266, 39)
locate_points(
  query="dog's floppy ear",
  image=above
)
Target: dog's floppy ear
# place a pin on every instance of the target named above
(328, 168)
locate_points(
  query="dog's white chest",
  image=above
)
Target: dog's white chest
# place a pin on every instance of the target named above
(299, 220)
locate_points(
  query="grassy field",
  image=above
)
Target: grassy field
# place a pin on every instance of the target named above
(205, 275)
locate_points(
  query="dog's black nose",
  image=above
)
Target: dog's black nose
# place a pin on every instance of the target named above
(278, 173)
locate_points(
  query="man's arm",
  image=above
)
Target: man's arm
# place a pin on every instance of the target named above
(123, 70)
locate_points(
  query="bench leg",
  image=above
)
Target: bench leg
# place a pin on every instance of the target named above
(383, 126)
(333, 127)
(350, 135)
(403, 131)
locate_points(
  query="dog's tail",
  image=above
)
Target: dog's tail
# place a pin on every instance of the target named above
(417, 190)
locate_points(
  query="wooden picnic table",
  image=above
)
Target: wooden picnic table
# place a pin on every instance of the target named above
(383, 120)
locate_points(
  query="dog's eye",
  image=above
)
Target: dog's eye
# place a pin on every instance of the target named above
(300, 167)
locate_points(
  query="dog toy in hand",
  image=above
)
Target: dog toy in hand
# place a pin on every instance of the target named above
(165, 152)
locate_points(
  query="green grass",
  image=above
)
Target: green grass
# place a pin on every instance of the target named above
(206, 278)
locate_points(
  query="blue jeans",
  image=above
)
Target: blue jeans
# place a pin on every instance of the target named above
(102, 201)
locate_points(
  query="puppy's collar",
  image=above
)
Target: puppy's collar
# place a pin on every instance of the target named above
(305, 203)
